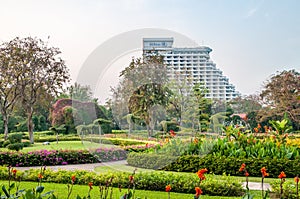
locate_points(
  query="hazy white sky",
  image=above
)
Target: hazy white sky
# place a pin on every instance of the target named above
(251, 39)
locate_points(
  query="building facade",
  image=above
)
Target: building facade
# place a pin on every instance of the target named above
(191, 63)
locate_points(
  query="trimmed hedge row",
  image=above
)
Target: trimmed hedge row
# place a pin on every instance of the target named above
(114, 141)
(155, 181)
(217, 165)
(61, 157)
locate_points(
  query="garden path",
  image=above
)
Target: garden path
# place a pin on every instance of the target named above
(91, 167)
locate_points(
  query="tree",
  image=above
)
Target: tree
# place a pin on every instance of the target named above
(281, 95)
(11, 73)
(80, 92)
(43, 73)
(200, 107)
(142, 87)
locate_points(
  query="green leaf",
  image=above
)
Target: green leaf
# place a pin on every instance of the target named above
(39, 189)
(5, 191)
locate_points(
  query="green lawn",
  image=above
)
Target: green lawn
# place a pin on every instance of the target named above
(82, 190)
(68, 145)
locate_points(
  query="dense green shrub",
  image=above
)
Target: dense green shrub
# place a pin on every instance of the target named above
(149, 161)
(119, 131)
(26, 143)
(15, 137)
(15, 146)
(60, 138)
(217, 165)
(156, 181)
(289, 189)
(114, 141)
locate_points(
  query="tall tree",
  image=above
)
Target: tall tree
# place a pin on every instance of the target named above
(141, 88)
(281, 96)
(11, 73)
(80, 92)
(43, 73)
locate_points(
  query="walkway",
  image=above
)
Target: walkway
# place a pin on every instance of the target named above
(91, 167)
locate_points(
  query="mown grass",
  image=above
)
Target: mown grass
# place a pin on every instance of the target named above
(60, 190)
(64, 145)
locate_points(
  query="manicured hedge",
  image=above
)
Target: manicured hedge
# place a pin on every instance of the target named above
(155, 181)
(217, 165)
(61, 157)
(114, 141)
(149, 161)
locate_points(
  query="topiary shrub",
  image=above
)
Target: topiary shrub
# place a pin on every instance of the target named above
(15, 146)
(15, 137)
(149, 160)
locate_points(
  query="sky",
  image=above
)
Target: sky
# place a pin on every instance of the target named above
(251, 39)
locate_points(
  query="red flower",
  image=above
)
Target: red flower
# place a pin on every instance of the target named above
(282, 175)
(40, 176)
(168, 188)
(73, 178)
(246, 174)
(90, 185)
(201, 173)
(172, 133)
(264, 172)
(198, 191)
(14, 171)
(296, 179)
(131, 178)
(242, 168)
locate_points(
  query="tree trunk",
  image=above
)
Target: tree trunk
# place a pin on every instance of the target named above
(148, 130)
(5, 123)
(30, 125)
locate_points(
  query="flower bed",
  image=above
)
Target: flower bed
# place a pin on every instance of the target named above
(61, 157)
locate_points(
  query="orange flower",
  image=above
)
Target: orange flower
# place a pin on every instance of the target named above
(168, 188)
(256, 130)
(131, 178)
(14, 171)
(242, 168)
(282, 175)
(296, 179)
(91, 185)
(73, 178)
(246, 174)
(258, 126)
(201, 173)
(40, 176)
(264, 172)
(198, 191)
(196, 141)
(172, 133)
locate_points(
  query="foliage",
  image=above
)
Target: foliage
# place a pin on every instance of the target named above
(281, 127)
(79, 92)
(230, 165)
(155, 181)
(15, 146)
(281, 96)
(61, 157)
(149, 161)
(42, 73)
(288, 187)
(142, 97)
(114, 141)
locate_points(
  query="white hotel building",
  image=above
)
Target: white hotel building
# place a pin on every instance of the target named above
(191, 63)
